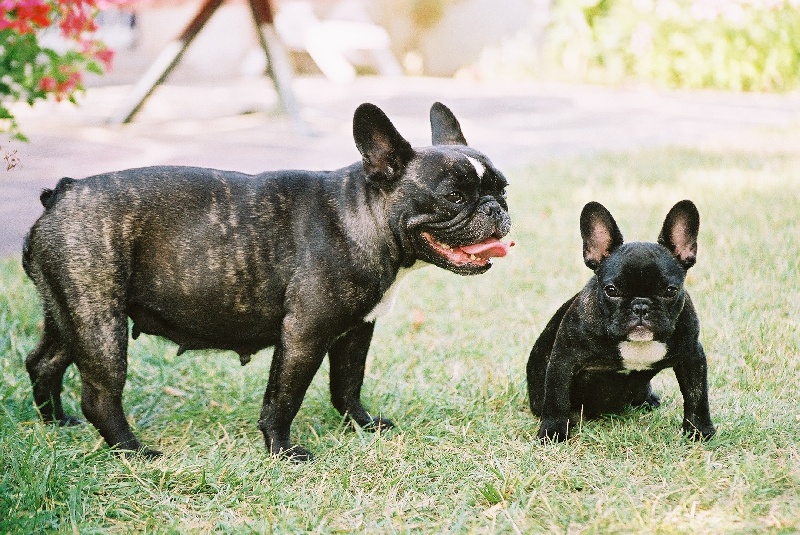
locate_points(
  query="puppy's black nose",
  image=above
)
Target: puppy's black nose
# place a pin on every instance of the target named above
(640, 308)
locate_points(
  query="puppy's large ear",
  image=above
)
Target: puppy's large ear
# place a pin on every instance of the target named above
(679, 233)
(600, 234)
(445, 129)
(384, 151)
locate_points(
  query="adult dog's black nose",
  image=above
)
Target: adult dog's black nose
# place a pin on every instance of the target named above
(492, 209)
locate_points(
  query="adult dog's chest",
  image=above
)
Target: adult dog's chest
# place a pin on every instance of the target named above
(389, 298)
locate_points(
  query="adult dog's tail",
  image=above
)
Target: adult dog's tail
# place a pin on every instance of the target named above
(48, 197)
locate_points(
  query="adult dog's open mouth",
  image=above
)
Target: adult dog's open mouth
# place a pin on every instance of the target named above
(473, 255)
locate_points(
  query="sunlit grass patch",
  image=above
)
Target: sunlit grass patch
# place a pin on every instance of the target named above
(448, 367)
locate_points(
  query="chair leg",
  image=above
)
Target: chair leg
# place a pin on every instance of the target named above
(278, 64)
(165, 63)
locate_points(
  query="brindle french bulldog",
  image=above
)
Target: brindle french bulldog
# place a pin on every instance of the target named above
(300, 260)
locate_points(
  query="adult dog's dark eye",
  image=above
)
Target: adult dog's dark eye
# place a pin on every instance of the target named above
(455, 197)
(612, 291)
(670, 292)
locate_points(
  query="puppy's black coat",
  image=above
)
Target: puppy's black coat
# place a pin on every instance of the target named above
(303, 261)
(633, 319)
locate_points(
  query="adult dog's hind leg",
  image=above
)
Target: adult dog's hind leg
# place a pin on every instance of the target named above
(46, 365)
(100, 349)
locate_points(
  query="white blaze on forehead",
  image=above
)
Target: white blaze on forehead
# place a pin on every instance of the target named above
(479, 167)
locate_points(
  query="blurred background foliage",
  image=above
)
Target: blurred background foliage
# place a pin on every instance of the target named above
(739, 45)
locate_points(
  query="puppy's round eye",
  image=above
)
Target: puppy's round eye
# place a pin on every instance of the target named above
(670, 292)
(612, 291)
(455, 197)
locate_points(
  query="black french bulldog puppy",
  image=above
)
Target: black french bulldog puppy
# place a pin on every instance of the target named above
(633, 319)
(303, 261)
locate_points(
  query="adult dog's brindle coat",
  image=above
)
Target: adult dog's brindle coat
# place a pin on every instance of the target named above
(298, 260)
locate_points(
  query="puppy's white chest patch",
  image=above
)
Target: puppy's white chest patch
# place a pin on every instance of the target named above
(637, 356)
(386, 304)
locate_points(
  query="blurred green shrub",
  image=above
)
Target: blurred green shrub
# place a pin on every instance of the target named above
(741, 45)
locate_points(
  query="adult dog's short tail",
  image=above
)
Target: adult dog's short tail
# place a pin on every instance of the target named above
(48, 197)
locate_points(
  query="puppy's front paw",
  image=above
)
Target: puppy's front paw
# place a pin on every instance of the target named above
(378, 423)
(652, 402)
(554, 430)
(696, 431)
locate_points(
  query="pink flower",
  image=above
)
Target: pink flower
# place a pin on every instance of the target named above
(106, 56)
(48, 84)
(77, 17)
(64, 71)
(24, 16)
(99, 51)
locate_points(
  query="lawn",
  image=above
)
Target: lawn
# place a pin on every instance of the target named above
(448, 367)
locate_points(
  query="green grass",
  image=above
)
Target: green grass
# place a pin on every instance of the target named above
(448, 366)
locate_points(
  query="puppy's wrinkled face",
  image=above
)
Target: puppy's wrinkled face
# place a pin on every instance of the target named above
(641, 295)
(455, 211)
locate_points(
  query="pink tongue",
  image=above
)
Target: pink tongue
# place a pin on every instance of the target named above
(489, 248)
